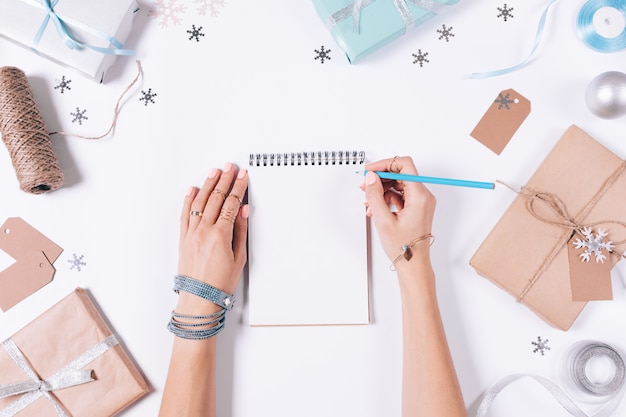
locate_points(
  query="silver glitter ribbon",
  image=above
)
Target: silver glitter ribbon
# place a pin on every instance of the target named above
(34, 388)
(353, 10)
(613, 390)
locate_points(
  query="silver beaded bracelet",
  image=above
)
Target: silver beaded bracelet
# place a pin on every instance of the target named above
(191, 331)
(203, 290)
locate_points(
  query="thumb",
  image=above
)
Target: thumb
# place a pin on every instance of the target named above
(374, 193)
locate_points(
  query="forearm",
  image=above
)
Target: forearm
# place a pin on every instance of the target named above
(190, 386)
(429, 383)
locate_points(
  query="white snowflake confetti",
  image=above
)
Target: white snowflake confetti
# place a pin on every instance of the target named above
(505, 12)
(77, 262)
(322, 54)
(79, 116)
(541, 345)
(420, 58)
(445, 33)
(593, 245)
(168, 11)
(147, 96)
(63, 85)
(212, 6)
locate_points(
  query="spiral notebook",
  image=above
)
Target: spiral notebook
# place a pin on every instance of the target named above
(307, 239)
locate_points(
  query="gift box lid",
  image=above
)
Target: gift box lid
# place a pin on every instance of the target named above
(89, 21)
(525, 255)
(380, 22)
(59, 336)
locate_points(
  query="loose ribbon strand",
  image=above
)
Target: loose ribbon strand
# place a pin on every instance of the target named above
(538, 36)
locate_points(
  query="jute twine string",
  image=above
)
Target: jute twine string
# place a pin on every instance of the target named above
(24, 132)
(564, 219)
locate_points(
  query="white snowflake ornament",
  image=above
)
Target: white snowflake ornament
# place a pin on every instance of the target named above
(593, 245)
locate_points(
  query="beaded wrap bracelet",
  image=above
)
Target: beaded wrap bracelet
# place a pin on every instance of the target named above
(201, 327)
(206, 291)
(192, 331)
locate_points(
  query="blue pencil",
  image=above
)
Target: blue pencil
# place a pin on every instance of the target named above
(432, 180)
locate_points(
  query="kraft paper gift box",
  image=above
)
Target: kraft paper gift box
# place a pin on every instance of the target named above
(528, 256)
(72, 335)
(376, 23)
(100, 24)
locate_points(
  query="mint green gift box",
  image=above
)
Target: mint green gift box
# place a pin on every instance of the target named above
(363, 26)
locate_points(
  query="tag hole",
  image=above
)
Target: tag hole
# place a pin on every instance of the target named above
(516, 100)
(7, 231)
(41, 265)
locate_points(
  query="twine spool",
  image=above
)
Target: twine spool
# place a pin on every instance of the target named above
(24, 133)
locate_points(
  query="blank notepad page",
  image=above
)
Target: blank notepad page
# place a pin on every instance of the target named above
(307, 239)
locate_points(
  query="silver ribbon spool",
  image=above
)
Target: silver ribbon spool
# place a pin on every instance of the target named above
(608, 393)
(580, 358)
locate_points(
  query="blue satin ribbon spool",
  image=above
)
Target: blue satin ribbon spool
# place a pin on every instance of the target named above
(588, 32)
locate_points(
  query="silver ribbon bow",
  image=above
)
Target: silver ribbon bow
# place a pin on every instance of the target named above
(353, 10)
(34, 388)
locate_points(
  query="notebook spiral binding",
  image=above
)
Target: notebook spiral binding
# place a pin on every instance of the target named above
(308, 158)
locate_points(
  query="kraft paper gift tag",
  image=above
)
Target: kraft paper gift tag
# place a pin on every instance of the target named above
(34, 254)
(590, 280)
(500, 122)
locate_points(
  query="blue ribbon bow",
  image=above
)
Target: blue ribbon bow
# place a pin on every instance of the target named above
(68, 38)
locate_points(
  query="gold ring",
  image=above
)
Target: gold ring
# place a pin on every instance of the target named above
(228, 214)
(237, 197)
(220, 192)
(195, 213)
(394, 162)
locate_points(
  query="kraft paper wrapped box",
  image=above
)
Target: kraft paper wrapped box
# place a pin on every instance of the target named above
(376, 23)
(72, 335)
(526, 255)
(99, 24)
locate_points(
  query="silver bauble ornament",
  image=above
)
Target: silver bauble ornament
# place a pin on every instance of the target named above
(606, 95)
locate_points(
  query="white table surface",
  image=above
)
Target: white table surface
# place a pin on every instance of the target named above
(252, 83)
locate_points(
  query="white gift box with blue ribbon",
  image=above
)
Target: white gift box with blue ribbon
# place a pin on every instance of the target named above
(86, 35)
(362, 26)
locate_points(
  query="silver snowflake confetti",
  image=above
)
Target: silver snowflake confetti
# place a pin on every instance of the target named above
(195, 33)
(505, 101)
(541, 346)
(168, 11)
(322, 54)
(593, 245)
(76, 263)
(505, 12)
(63, 85)
(147, 96)
(445, 33)
(79, 116)
(420, 58)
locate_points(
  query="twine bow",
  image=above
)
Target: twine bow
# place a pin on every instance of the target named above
(564, 219)
(66, 35)
(34, 388)
(353, 10)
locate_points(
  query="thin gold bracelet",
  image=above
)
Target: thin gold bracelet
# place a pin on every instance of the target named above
(407, 253)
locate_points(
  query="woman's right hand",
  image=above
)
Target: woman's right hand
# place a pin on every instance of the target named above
(415, 206)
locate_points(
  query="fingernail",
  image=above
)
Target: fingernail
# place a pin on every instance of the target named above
(245, 211)
(190, 190)
(228, 166)
(242, 173)
(213, 173)
(370, 178)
